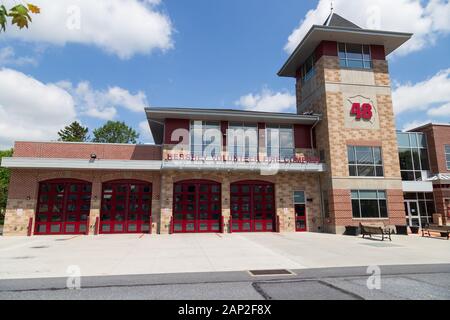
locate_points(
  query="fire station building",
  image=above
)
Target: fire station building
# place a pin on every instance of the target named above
(332, 164)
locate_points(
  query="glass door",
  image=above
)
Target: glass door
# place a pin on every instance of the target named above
(413, 214)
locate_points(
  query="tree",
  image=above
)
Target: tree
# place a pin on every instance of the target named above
(20, 15)
(74, 132)
(4, 183)
(115, 132)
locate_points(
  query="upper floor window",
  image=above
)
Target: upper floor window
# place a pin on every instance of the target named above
(413, 154)
(280, 142)
(355, 56)
(447, 156)
(307, 70)
(242, 140)
(365, 161)
(206, 139)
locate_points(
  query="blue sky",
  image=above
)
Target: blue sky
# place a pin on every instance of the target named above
(218, 54)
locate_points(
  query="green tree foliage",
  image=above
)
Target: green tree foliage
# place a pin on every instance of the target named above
(19, 14)
(4, 182)
(74, 132)
(115, 132)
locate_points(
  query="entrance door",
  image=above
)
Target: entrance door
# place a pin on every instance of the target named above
(253, 206)
(197, 207)
(63, 207)
(412, 213)
(126, 207)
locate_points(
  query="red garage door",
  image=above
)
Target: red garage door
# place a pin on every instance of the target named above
(197, 207)
(126, 207)
(63, 207)
(253, 206)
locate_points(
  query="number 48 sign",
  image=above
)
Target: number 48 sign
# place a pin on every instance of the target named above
(362, 111)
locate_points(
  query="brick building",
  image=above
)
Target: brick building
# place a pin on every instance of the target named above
(437, 172)
(332, 164)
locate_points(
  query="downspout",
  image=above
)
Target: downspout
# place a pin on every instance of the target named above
(312, 129)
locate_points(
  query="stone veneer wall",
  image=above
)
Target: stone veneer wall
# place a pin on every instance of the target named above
(23, 193)
(285, 185)
(325, 94)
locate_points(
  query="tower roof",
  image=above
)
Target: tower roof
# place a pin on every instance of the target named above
(335, 20)
(339, 29)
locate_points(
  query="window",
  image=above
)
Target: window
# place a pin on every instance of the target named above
(447, 156)
(355, 56)
(280, 142)
(369, 204)
(206, 139)
(243, 140)
(365, 162)
(307, 70)
(413, 155)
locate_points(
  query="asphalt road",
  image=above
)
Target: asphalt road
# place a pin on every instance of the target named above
(421, 282)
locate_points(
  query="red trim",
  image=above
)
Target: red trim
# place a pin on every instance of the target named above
(97, 226)
(30, 227)
(174, 124)
(377, 52)
(300, 218)
(326, 48)
(302, 136)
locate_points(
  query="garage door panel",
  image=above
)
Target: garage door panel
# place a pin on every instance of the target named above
(63, 207)
(197, 207)
(252, 206)
(126, 207)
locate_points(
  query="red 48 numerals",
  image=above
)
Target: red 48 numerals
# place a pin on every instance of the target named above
(363, 111)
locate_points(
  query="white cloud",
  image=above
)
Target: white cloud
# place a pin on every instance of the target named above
(424, 95)
(8, 57)
(268, 101)
(442, 111)
(145, 133)
(30, 109)
(103, 104)
(415, 124)
(426, 19)
(120, 27)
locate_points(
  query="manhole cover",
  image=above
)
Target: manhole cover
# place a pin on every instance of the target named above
(262, 273)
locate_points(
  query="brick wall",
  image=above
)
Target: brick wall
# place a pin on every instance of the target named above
(84, 151)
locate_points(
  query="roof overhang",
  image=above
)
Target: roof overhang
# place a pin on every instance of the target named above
(390, 40)
(47, 163)
(157, 116)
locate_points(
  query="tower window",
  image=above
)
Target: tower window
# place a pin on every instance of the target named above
(355, 56)
(307, 70)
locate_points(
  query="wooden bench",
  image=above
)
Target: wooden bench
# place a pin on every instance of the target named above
(375, 229)
(443, 230)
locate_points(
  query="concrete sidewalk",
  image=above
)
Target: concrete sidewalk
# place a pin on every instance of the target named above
(51, 256)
